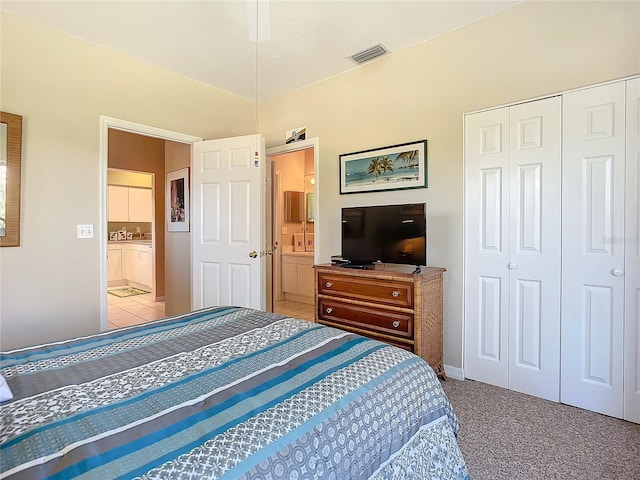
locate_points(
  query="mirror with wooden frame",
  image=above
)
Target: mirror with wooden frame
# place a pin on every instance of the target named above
(10, 165)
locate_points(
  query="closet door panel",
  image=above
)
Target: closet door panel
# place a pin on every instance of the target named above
(487, 246)
(535, 198)
(593, 262)
(632, 257)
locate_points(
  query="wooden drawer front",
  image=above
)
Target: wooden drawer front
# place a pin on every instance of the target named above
(386, 292)
(399, 324)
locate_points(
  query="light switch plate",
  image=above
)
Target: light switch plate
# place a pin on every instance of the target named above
(85, 231)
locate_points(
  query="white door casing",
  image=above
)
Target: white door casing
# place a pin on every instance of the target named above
(593, 246)
(632, 257)
(228, 238)
(512, 247)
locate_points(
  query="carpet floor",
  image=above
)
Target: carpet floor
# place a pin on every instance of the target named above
(509, 435)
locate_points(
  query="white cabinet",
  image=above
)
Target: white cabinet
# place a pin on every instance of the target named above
(140, 205)
(552, 257)
(118, 203)
(114, 264)
(297, 277)
(137, 264)
(129, 204)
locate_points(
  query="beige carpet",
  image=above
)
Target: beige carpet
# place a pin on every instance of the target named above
(509, 435)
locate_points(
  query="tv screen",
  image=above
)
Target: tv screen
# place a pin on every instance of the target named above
(386, 233)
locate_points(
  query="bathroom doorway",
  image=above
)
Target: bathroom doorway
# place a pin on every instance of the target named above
(294, 227)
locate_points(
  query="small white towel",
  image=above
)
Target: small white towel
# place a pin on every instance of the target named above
(5, 391)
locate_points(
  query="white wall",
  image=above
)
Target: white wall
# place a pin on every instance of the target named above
(49, 286)
(530, 50)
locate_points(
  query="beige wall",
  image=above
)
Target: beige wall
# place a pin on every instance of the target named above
(50, 285)
(177, 244)
(530, 50)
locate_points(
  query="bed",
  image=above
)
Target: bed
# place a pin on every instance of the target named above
(228, 393)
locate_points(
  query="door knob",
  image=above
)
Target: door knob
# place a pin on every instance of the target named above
(617, 272)
(513, 266)
(253, 254)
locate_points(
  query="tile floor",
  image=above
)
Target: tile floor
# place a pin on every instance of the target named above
(295, 309)
(127, 311)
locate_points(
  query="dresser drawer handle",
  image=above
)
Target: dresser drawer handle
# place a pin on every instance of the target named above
(395, 294)
(328, 284)
(396, 324)
(329, 310)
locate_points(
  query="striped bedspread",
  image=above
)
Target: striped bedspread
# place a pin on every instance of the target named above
(228, 393)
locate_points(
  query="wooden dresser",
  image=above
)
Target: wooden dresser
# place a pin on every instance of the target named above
(402, 309)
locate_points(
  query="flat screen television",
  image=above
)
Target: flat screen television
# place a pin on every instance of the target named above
(385, 233)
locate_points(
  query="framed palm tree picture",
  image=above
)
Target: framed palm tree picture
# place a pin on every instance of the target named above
(388, 168)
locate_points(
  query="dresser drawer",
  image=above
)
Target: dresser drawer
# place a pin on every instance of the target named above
(398, 324)
(385, 292)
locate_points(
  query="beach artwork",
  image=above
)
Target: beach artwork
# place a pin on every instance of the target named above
(389, 168)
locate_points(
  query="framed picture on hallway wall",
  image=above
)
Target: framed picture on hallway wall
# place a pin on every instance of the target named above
(177, 204)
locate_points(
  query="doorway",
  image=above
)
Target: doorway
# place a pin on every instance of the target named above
(133, 291)
(294, 206)
(166, 143)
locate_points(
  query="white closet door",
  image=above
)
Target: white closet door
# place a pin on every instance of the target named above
(487, 246)
(632, 258)
(534, 296)
(593, 235)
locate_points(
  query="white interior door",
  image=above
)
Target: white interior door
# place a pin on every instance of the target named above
(593, 243)
(487, 246)
(534, 265)
(228, 191)
(632, 258)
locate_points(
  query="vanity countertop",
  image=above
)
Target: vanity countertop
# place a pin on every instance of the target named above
(135, 240)
(298, 254)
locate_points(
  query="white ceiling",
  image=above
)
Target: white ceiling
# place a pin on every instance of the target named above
(209, 41)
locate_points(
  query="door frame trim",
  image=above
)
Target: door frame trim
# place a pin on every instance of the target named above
(294, 147)
(139, 129)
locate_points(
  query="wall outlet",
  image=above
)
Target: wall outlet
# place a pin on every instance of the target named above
(85, 231)
(137, 229)
(284, 230)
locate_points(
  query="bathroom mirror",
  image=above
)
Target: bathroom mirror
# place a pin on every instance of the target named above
(10, 163)
(310, 207)
(309, 189)
(293, 206)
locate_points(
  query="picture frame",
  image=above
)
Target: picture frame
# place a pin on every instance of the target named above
(177, 201)
(397, 167)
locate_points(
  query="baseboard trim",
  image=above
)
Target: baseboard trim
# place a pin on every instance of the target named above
(454, 372)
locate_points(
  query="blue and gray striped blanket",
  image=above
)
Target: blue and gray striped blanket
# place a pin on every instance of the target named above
(228, 393)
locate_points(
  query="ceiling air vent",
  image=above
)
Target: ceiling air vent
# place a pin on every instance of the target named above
(369, 54)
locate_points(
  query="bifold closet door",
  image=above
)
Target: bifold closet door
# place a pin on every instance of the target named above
(487, 247)
(512, 247)
(593, 243)
(632, 257)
